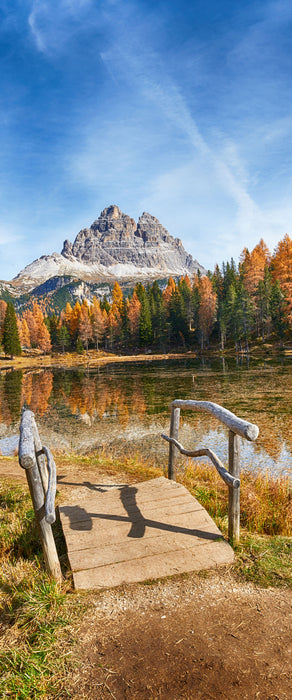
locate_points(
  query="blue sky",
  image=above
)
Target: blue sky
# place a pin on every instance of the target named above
(176, 107)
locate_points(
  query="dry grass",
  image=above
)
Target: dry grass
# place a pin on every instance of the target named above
(265, 501)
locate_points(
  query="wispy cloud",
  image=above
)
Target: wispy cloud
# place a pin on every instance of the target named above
(53, 22)
(147, 75)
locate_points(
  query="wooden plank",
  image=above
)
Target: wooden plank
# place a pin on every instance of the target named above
(74, 514)
(130, 505)
(111, 531)
(129, 549)
(152, 567)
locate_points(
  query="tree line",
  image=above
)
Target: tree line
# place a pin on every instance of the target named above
(232, 305)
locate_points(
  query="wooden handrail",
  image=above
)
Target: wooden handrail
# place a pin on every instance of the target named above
(41, 478)
(249, 431)
(228, 479)
(237, 428)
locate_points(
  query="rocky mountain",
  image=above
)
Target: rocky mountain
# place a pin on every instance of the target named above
(113, 248)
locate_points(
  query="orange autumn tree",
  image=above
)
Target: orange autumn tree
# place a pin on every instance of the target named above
(74, 321)
(42, 338)
(207, 307)
(133, 310)
(98, 321)
(32, 326)
(38, 333)
(3, 307)
(117, 299)
(24, 334)
(282, 271)
(168, 292)
(85, 327)
(252, 266)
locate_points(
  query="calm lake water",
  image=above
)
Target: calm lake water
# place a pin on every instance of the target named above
(124, 407)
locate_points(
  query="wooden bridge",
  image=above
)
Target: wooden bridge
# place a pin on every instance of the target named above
(133, 533)
(125, 534)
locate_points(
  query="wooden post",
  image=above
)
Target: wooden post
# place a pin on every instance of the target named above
(174, 426)
(40, 457)
(28, 460)
(234, 494)
(46, 534)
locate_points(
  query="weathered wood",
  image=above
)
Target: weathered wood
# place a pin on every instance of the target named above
(45, 530)
(234, 496)
(26, 450)
(41, 460)
(205, 451)
(174, 427)
(238, 426)
(50, 515)
(30, 451)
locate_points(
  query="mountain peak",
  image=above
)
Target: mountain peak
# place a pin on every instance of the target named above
(115, 247)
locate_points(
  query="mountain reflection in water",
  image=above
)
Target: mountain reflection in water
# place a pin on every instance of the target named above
(125, 407)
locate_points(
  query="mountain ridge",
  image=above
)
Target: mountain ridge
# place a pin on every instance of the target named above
(113, 248)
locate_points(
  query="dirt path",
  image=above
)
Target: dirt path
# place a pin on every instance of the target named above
(187, 638)
(191, 637)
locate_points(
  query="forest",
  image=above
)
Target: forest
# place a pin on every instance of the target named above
(229, 307)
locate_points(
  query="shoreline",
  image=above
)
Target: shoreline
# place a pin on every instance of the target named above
(86, 360)
(94, 358)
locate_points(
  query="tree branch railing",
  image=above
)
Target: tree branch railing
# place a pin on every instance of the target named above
(237, 428)
(40, 470)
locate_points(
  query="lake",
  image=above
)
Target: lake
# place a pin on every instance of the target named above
(123, 408)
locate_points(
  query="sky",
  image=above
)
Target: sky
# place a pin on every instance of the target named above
(180, 108)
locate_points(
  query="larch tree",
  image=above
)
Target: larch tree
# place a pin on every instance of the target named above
(252, 266)
(97, 321)
(282, 271)
(3, 307)
(134, 310)
(44, 338)
(207, 308)
(74, 321)
(24, 334)
(32, 327)
(117, 299)
(85, 327)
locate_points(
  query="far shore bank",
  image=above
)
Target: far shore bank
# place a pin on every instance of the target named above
(94, 358)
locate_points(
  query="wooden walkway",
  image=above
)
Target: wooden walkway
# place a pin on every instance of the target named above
(134, 533)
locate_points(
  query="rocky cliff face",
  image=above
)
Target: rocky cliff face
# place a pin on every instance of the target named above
(115, 247)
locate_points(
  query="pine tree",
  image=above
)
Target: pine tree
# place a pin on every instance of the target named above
(63, 336)
(145, 326)
(11, 342)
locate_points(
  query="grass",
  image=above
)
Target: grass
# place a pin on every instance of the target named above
(37, 615)
(40, 618)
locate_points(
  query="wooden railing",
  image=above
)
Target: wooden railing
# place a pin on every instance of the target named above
(237, 428)
(40, 469)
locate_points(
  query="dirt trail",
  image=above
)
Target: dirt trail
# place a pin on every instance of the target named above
(187, 638)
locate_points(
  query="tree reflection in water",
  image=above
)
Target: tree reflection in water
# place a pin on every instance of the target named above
(116, 398)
